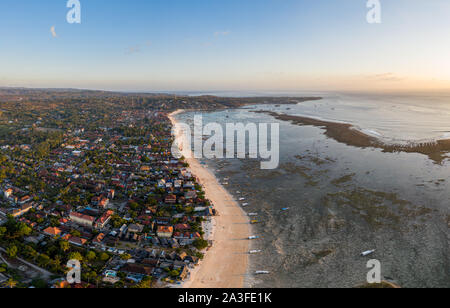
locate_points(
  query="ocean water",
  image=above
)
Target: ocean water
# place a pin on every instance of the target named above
(344, 200)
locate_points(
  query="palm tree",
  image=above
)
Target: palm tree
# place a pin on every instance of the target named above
(10, 283)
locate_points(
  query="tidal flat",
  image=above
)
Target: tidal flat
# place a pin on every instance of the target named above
(328, 201)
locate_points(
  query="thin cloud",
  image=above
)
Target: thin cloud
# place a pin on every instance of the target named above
(133, 50)
(138, 48)
(386, 77)
(221, 33)
(53, 31)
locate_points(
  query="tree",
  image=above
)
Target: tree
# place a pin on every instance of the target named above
(24, 230)
(174, 273)
(39, 284)
(12, 251)
(75, 256)
(64, 245)
(2, 231)
(200, 244)
(145, 283)
(125, 256)
(75, 233)
(30, 252)
(104, 256)
(90, 255)
(10, 283)
(43, 260)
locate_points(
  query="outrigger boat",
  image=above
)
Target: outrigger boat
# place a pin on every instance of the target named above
(367, 253)
(253, 252)
(262, 272)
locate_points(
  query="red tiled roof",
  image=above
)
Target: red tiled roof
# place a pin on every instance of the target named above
(52, 231)
(82, 216)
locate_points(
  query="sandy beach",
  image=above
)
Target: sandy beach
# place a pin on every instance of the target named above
(225, 263)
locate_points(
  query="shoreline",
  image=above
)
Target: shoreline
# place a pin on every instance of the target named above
(346, 133)
(225, 264)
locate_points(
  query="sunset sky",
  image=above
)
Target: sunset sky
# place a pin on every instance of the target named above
(295, 45)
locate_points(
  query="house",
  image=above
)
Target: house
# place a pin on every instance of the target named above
(110, 276)
(182, 227)
(81, 219)
(145, 168)
(95, 200)
(98, 240)
(190, 195)
(171, 199)
(182, 256)
(8, 193)
(186, 174)
(103, 203)
(135, 228)
(138, 269)
(164, 231)
(161, 183)
(24, 200)
(104, 219)
(111, 194)
(189, 184)
(77, 241)
(177, 184)
(184, 273)
(100, 201)
(52, 231)
(22, 210)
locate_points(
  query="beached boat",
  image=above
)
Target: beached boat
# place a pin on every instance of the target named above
(262, 272)
(244, 204)
(254, 222)
(253, 237)
(252, 214)
(367, 253)
(253, 252)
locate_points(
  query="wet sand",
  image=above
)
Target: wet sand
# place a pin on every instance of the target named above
(347, 134)
(225, 263)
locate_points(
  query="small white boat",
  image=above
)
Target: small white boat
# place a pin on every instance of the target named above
(285, 209)
(253, 237)
(262, 272)
(253, 214)
(367, 253)
(253, 252)
(244, 204)
(241, 199)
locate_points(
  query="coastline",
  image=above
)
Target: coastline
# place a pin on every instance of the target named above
(225, 263)
(347, 134)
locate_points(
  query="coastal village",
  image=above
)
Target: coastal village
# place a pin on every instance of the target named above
(90, 176)
(112, 197)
